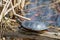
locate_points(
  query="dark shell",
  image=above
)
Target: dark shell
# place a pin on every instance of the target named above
(36, 26)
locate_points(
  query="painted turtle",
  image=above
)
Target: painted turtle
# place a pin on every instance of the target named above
(34, 25)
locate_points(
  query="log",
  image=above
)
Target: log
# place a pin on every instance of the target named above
(33, 35)
(15, 34)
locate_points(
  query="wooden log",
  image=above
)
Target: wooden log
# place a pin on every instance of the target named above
(14, 34)
(51, 35)
(32, 35)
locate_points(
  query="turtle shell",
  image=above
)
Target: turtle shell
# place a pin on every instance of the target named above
(34, 25)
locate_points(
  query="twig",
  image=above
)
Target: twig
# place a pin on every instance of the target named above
(22, 17)
(12, 8)
(17, 14)
(10, 19)
(4, 10)
(22, 4)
